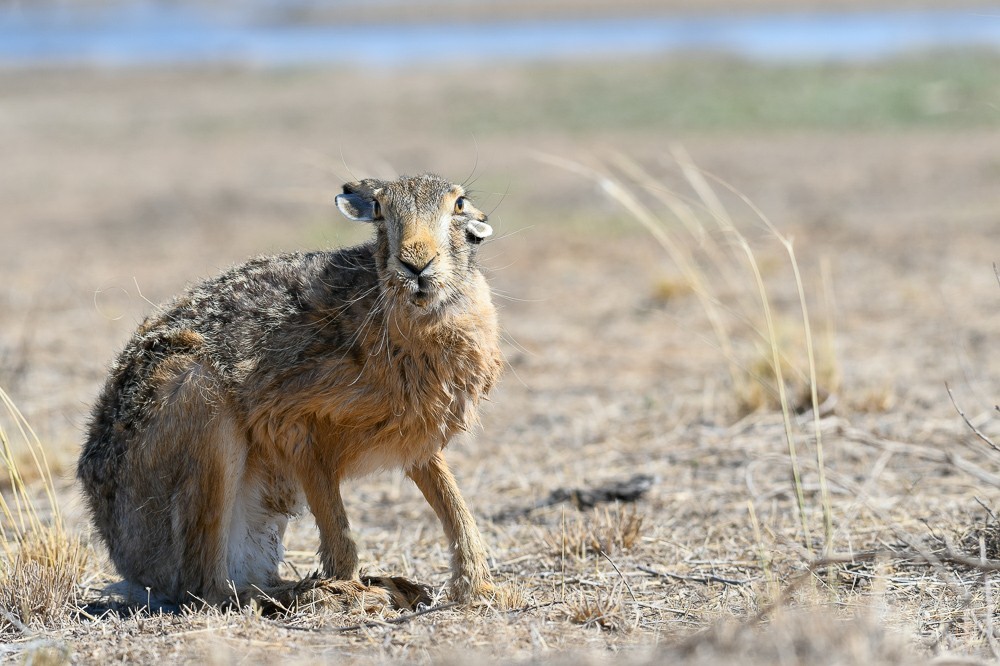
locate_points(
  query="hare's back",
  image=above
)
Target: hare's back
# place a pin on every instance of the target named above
(226, 325)
(238, 312)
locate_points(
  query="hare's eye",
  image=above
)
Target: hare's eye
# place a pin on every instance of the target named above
(376, 210)
(459, 205)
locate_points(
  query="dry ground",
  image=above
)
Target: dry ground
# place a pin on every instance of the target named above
(121, 187)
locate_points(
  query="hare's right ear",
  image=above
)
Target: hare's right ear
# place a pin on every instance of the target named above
(358, 207)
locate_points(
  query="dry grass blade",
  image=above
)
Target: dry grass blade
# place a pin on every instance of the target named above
(677, 251)
(407, 617)
(786, 243)
(978, 433)
(705, 579)
(41, 562)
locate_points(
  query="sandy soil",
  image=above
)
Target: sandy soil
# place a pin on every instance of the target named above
(118, 188)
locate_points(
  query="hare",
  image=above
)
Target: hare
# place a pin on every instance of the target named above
(260, 390)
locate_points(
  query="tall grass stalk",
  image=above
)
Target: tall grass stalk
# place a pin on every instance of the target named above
(786, 243)
(754, 318)
(675, 249)
(24, 515)
(41, 560)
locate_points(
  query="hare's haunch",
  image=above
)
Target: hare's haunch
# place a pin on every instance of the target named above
(263, 388)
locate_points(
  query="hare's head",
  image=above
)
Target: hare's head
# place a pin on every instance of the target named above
(428, 232)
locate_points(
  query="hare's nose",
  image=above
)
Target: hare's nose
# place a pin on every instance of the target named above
(416, 269)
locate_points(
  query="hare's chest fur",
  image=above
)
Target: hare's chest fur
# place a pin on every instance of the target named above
(427, 389)
(395, 405)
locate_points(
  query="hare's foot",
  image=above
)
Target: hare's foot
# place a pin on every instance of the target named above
(502, 596)
(404, 593)
(331, 594)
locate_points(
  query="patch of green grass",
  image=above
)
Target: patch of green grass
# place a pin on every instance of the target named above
(951, 89)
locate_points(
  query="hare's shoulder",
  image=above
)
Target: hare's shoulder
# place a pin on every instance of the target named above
(265, 290)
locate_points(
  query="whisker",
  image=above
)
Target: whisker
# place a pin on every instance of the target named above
(502, 197)
(513, 370)
(506, 335)
(468, 182)
(516, 299)
(344, 162)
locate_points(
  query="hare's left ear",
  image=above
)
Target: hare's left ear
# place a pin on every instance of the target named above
(357, 207)
(477, 231)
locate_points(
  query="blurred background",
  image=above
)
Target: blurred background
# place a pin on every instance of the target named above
(149, 143)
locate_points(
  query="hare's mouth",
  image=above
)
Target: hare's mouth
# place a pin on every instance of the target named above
(423, 292)
(422, 298)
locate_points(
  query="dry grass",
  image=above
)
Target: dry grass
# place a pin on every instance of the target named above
(735, 578)
(773, 557)
(772, 364)
(42, 562)
(875, 552)
(601, 608)
(601, 530)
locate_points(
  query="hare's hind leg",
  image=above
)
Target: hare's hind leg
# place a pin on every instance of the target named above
(183, 477)
(264, 501)
(470, 571)
(205, 509)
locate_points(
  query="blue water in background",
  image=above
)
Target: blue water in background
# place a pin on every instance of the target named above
(144, 33)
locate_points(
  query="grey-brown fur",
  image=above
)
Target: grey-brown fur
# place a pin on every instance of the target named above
(271, 383)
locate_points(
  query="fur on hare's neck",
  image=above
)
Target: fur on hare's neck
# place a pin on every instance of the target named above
(455, 341)
(411, 378)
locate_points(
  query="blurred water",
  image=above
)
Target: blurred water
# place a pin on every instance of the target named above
(155, 33)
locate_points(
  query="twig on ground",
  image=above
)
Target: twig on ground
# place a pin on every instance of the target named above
(622, 490)
(618, 571)
(402, 619)
(978, 433)
(953, 557)
(531, 607)
(925, 452)
(987, 509)
(16, 623)
(709, 578)
(814, 566)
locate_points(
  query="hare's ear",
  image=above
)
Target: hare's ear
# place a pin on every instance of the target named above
(358, 207)
(478, 231)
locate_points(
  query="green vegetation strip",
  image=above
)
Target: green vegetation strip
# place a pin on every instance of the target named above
(942, 90)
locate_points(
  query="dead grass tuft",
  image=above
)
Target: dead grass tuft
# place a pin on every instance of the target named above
(602, 530)
(38, 586)
(507, 595)
(756, 390)
(598, 608)
(875, 400)
(40, 562)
